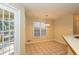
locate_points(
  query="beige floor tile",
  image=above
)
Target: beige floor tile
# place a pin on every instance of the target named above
(46, 48)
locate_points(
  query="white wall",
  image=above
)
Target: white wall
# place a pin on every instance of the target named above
(22, 27)
(29, 31)
(64, 26)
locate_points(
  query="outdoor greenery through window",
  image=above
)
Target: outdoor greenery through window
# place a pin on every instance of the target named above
(6, 32)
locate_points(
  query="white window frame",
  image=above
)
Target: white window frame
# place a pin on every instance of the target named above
(40, 30)
(16, 26)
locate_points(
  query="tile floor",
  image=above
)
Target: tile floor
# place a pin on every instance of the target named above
(46, 48)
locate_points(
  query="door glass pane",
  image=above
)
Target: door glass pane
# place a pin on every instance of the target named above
(1, 14)
(6, 49)
(6, 40)
(1, 44)
(6, 34)
(11, 25)
(11, 49)
(6, 15)
(1, 49)
(11, 16)
(12, 33)
(0, 38)
(6, 25)
(0, 25)
(12, 39)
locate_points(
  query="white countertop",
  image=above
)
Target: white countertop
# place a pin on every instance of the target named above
(73, 42)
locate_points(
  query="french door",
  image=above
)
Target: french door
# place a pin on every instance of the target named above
(7, 17)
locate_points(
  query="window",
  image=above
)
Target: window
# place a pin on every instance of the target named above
(39, 29)
(6, 31)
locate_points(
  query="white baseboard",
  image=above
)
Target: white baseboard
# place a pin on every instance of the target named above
(36, 41)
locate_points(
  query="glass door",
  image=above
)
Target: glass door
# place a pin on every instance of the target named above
(1, 42)
(6, 32)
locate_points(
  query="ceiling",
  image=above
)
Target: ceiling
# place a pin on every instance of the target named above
(53, 10)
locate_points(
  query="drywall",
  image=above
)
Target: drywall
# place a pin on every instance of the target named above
(22, 27)
(64, 26)
(58, 28)
(29, 31)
